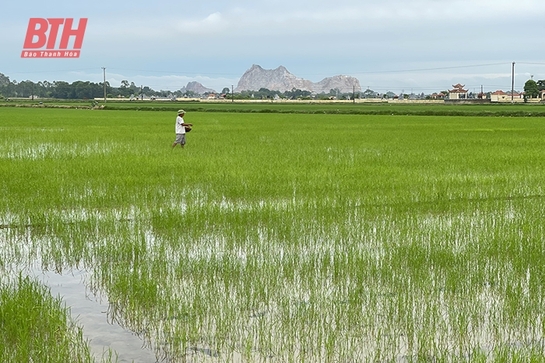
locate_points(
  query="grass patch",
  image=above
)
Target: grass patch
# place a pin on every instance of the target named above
(303, 107)
(35, 327)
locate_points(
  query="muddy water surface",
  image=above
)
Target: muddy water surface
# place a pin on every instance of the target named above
(90, 313)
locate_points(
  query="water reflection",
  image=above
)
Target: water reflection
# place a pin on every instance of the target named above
(90, 312)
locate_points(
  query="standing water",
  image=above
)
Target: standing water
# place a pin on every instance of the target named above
(91, 313)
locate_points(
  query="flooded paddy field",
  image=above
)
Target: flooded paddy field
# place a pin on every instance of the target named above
(275, 237)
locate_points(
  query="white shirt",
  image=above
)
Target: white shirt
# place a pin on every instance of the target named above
(179, 128)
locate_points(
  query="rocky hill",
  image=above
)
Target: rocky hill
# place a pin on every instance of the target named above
(280, 79)
(197, 88)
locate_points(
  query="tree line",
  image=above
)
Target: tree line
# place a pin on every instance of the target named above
(79, 90)
(293, 94)
(90, 90)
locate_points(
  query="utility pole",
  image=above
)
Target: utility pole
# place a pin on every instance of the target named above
(232, 94)
(353, 94)
(512, 81)
(104, 82)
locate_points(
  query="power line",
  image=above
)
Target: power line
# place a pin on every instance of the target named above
(532, 63)
(173, 72)
(204, 74)
(432, 69)
(308, 74)
(54, 71)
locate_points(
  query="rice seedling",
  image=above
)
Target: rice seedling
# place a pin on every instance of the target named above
(35, 327)
(289, 237)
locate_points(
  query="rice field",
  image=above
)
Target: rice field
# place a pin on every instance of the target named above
(284, 237)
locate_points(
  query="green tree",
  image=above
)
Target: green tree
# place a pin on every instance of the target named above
(85, 90)
(4, 80)
(296, 93)
(25, 88)
(124, 90)
(369, 93)
(531, 89)
(61, 89)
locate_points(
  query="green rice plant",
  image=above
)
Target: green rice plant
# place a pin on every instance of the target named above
(35, 327)
(297, 236)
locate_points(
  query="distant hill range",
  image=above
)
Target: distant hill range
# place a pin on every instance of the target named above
(280, 79)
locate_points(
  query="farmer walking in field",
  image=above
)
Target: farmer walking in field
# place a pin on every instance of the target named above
(181, 129)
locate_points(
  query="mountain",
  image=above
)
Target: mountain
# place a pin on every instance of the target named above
(197, 88)
(280, 79)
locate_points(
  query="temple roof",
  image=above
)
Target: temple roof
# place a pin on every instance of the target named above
(458, 88)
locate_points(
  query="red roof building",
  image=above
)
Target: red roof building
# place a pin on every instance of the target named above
(501, 96)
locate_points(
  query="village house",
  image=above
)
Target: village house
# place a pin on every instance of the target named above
(501, 96)
(437, 96)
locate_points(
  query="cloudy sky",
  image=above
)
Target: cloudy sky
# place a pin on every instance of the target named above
(389, 45)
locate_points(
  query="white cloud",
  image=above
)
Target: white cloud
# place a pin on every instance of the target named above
(212, 24)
